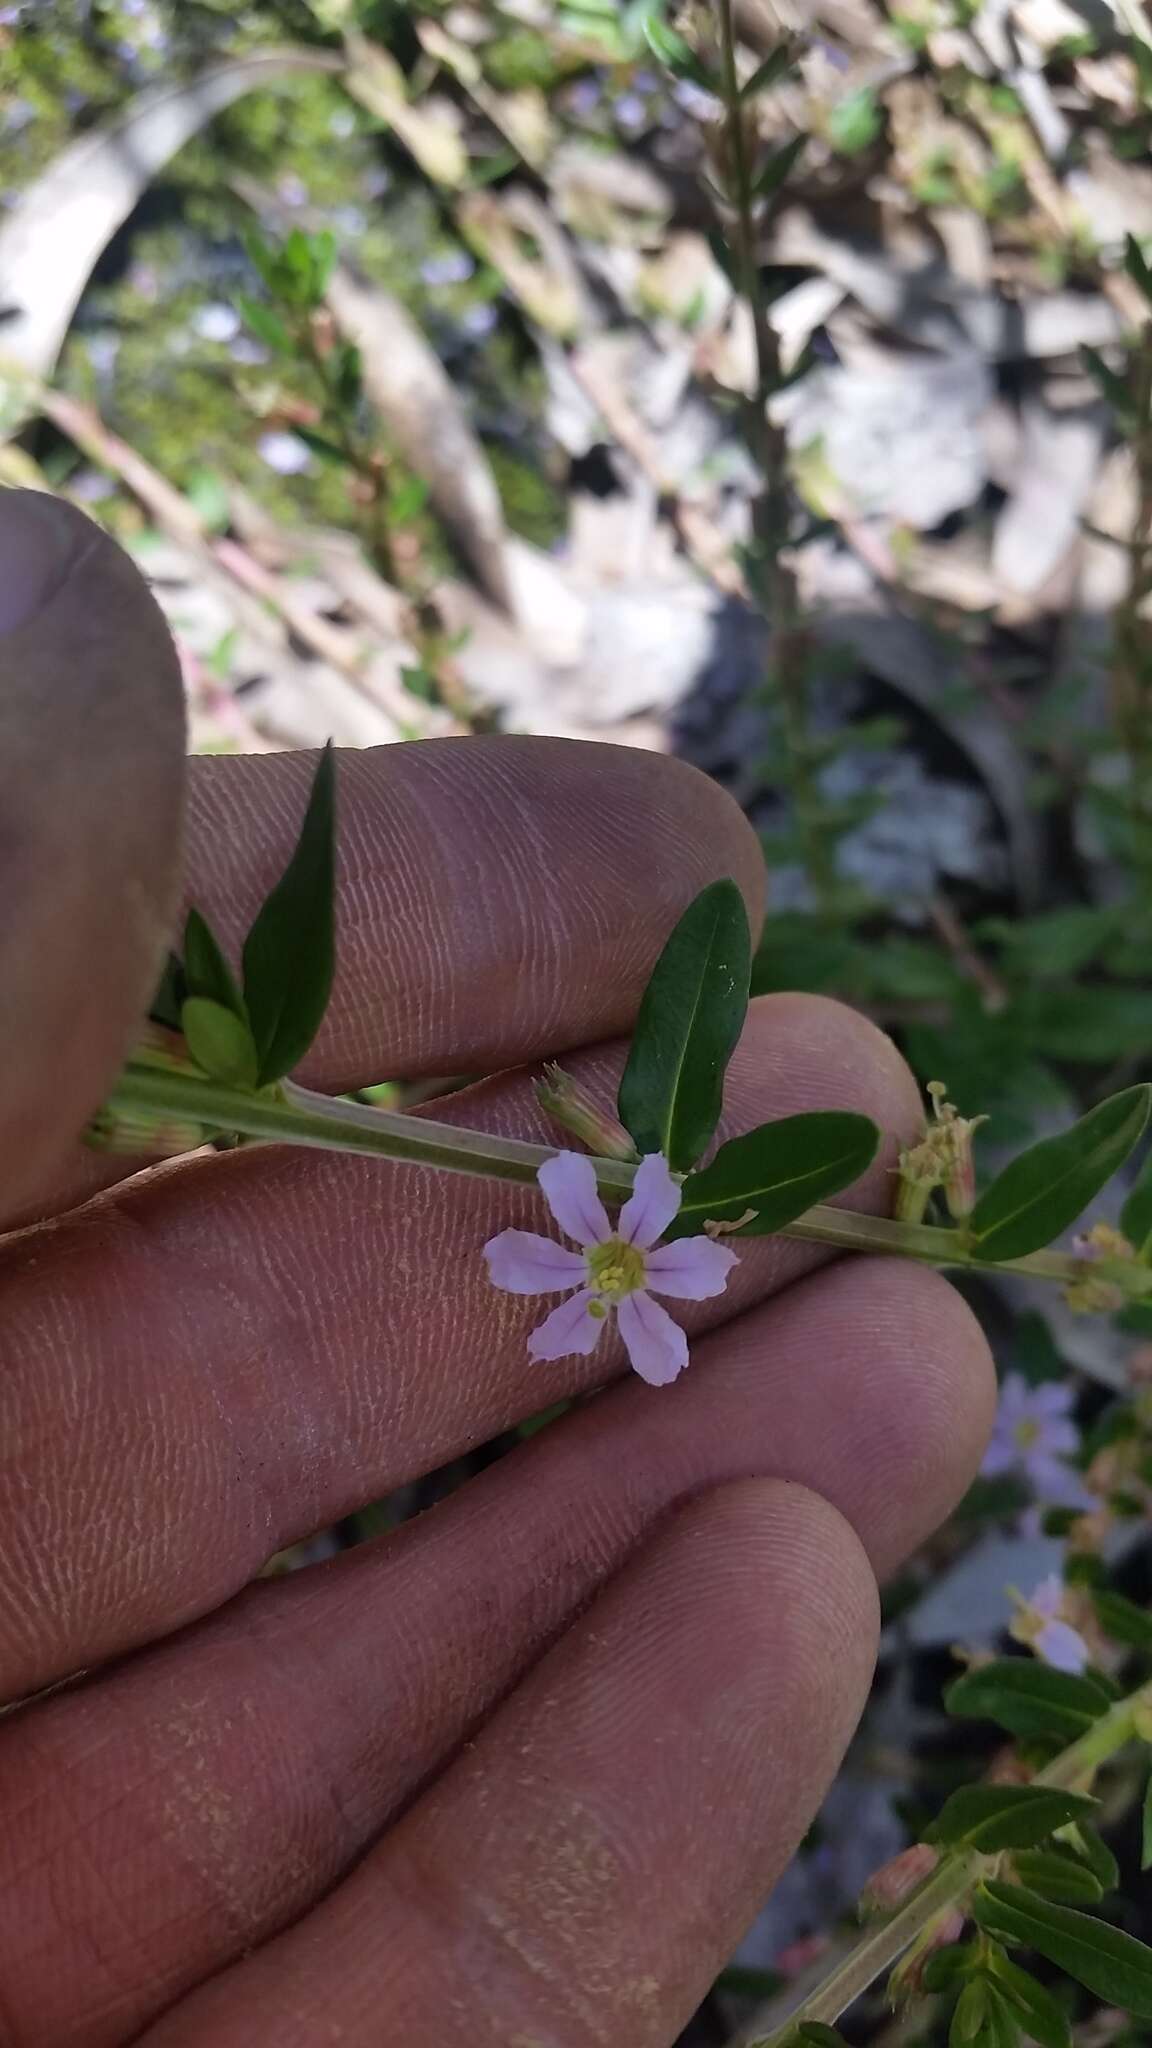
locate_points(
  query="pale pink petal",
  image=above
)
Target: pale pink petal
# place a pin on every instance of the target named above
(569, 1184)
(691, 1269)
(654, 1201)
(526, 1264)
(569, 1328)
(1060, 1646)
(655, 1344)
(1048, 1597)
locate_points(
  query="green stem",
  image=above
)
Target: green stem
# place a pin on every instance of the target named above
(951, 1884)
(770, 510)
(296, 1116)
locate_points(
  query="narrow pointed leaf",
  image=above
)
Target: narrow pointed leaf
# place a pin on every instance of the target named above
(1089, 1845)
(1042, 2019)
(170, 993)
(219, 1042)
(1001, 2028)
(771, 174)
(991, 1817)
(1113, 1965)
(778, 1171)
(1136, 264)
(1109, 383)
(1060, 1877)
(1047, 1187)
(970, 2013)
(1029, 1699)
(1123, 1619)
(1136, 1215)
(770, 72)
(673, 52)
(289, 955)
(205, 968)
(691, 1016)
(946, 1967)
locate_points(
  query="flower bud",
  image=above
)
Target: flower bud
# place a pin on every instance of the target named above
(1106, 1260)
(942, 1159)
(570, 1106)
(889, 1886)
(158, 1046)
(907, 1977)
(143, 1137)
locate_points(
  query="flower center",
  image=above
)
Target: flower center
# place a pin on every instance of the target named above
(1026, 1432)
(616, 1268)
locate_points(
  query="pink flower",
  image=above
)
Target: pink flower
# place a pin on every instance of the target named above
(614, 1269)
(1040, 1623)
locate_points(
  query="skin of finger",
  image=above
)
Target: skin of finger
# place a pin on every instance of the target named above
(253, 1758)
(582, 1871)
(91, 773)
(196, 1372)
(498, 899)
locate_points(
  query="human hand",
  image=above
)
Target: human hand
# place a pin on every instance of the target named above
(522, 1770)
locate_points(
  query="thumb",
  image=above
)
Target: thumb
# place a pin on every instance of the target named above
(91, 773)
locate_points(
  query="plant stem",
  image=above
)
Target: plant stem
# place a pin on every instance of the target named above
(771, 507)
(297, 1116)
(952, 1882)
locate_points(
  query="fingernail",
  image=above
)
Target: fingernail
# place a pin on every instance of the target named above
(37, 543)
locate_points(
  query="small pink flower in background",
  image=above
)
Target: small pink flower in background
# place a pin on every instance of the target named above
(1034, 1435)
(1040, 1623)
(616, 1269)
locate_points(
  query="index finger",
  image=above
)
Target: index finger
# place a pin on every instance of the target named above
(497, 899)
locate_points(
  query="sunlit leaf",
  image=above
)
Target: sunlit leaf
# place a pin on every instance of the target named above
(206, 969)
(289, 955)
(220, 1042)
(778, 1171)
(691, 1016)
(991, 1817)
(1042, 2019)
(1029, 1699)
(1047, 1187)
(1113, 1965)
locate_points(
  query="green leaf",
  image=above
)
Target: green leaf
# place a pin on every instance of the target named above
(1000, 2030)
(673, 52)
(1123, 1619)
(1045, 1189)
(1042, 2019)
(991, 1817)
(691, 1015)
(775, 67)
(1029, 1699)
(1110, 385)
(771, 174)
(1113, 1965)
(817, 2035)
(1136, 264)
(1136, 1215)
(289, 954)
(1057, 1876)
(329, 451)
(1087, 1843)
(206, 970)
(944, 1969)
(171, 990)
(219, 1042)
(778, 1170)
(265, 324)
(970, 2013)
(855, 122)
